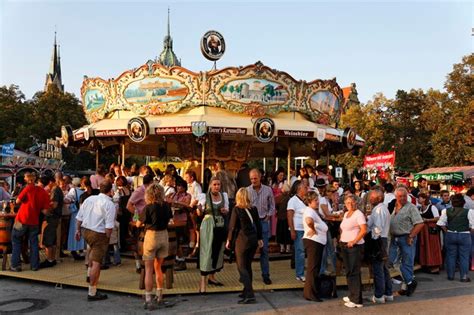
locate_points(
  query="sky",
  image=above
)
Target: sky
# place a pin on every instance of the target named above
(381, 46)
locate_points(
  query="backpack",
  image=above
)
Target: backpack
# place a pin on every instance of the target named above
(328, 288)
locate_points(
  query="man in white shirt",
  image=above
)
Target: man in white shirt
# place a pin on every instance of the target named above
(469, 199)
(389, 195)
(379, 226)
(95, 222)
(335, 183)
(295, 210)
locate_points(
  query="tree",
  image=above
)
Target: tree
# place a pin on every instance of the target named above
(367, 121)
(14, 117)
(52, 109)
(453, 118)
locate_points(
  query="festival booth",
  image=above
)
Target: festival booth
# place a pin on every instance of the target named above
(41, 158)
(450, 178)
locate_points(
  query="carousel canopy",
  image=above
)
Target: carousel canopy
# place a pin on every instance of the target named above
(242, 112)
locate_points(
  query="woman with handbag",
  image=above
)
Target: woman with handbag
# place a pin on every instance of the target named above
(429, 240)
(245, 234)
(212, 234)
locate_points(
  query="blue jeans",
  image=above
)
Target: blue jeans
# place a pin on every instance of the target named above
(407, 254)
(264, 264)
(17, 238)
(458, 247)
(299, 254)
(382, 279)
(328, 252)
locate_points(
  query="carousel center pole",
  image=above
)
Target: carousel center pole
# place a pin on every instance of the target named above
(203, 149)
(96, 159)
(288, 175)
(123, 152)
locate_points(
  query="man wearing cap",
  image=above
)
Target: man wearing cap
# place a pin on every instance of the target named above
(95, 222)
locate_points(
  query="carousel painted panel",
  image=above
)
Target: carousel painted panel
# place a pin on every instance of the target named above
(154, 89)
(95, 98)
(253, 90)
(324, 101)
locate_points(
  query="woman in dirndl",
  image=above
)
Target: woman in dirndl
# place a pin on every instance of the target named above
(74, 196)
(212, 234)
(429, 241)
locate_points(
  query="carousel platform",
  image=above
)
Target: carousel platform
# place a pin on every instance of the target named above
(124, 279)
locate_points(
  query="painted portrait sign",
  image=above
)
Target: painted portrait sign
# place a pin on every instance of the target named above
(137, 129)
(264, 129)
(324, 102)
(254, 90)
(155, 91)
(94, 99)
(349, 138)
(213, 45)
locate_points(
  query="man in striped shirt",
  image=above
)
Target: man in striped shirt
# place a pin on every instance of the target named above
(261, 197)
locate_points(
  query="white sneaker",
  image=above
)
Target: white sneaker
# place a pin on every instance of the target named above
(302, 279)
(376, 300)
(395, 281)
(346, 299)
(353, 305)
(388, 298)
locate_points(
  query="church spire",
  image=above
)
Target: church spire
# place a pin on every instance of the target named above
(54, 74)
(169, 33)
(168, 57)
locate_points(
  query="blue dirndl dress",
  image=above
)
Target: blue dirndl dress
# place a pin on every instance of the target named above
(72, 244)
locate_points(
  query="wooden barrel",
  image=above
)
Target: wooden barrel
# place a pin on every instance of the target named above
(5, 235)
(173, 247)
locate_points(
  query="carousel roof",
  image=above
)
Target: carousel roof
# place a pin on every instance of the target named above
(227, 104)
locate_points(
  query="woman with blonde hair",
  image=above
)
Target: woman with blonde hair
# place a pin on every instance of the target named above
(245, 230)
(156, 216)
(212, 234)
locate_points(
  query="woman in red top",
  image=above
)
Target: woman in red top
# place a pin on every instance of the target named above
(32, 200)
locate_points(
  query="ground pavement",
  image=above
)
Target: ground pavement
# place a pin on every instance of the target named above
(435, 295)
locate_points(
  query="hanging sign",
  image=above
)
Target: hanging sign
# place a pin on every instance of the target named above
(213, 45)
(8, 148)
(198, 128)
(264, 129)
(137, 129)
(349, 138)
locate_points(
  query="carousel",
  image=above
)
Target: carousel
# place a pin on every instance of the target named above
(235, 114)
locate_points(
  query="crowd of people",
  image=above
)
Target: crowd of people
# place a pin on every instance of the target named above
(310, 214)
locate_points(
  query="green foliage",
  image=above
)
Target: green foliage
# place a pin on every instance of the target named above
(41, 118)
(425, 129)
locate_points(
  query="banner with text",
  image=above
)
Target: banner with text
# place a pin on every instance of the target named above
(382, 160)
